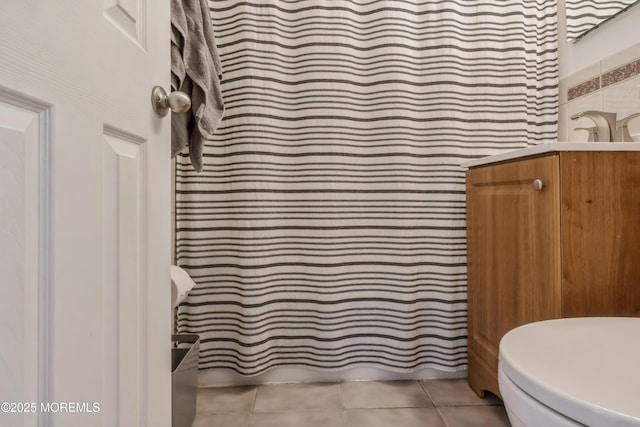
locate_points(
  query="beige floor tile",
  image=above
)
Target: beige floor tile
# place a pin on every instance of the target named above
(456, 392)
(222, 420)
(394, 417)
(475, 416)
(384, 394)
(225, 399)
(333, 418)
(298, 397)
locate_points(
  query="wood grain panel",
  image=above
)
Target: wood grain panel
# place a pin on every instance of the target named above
(568, 250)
(601, 227)
(513, 257)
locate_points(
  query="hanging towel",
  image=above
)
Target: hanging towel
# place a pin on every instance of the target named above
(196, 71)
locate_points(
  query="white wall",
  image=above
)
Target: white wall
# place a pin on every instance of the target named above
(612, 37)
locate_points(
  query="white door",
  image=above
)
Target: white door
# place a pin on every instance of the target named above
(84, 214)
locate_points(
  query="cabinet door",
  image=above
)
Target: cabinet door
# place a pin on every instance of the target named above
(513, 256)
(600, 233)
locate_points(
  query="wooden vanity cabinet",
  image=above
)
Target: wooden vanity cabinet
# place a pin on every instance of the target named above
(557, 235)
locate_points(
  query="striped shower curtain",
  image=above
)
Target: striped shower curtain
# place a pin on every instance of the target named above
(327, 229)
(585, 15)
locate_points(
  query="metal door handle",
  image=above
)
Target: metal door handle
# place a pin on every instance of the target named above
(178, 102)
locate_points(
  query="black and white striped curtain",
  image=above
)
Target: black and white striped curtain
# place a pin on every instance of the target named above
(585, 15)
(327, 229)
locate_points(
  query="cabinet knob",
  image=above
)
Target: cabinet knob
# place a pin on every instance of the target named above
(538, 184)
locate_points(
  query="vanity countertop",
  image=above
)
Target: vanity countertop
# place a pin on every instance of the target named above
(551, 148)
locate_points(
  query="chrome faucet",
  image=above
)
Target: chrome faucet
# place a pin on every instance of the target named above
(593, 133)
(622, 131)
(605, 124)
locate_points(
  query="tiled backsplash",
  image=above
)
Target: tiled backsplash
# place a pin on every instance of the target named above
(611, 85)
(583, 88)
(619, 74)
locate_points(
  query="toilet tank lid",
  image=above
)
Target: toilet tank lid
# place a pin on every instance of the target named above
(588, 369)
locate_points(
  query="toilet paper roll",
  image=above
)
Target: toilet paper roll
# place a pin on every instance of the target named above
(181, 284)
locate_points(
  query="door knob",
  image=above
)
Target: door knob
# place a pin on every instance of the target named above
(538, 184)
(178, 102)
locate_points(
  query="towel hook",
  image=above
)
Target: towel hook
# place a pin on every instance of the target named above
(178, 102)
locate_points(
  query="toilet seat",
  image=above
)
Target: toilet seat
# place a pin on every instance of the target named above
(587, 369)
(525, 411)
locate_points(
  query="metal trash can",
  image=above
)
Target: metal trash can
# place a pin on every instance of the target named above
(184, 379)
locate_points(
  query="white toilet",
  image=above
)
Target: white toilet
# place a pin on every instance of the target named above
(572, 372)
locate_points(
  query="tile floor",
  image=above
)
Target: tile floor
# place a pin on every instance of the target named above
(428, 403)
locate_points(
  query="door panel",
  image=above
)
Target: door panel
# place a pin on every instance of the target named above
(129, 17)
(123, 285)
(513, 236)
(24, 144)
(86, 200)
